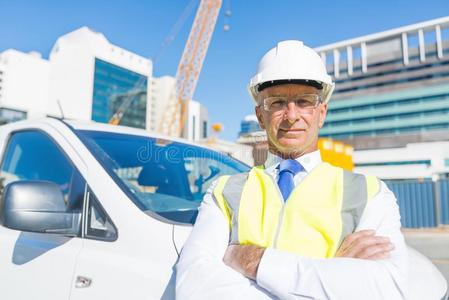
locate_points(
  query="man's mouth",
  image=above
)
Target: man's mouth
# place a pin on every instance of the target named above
(291, 129)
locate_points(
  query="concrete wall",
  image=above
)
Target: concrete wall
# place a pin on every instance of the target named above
(392, 160)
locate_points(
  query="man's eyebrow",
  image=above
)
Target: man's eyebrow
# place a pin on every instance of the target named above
(297, 95)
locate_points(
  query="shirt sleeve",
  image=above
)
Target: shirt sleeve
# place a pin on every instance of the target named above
(289, 276)
(201, 272)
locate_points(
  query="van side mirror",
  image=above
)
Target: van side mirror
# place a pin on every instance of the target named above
(37, 206)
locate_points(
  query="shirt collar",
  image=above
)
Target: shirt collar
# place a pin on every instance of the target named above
(309, 161)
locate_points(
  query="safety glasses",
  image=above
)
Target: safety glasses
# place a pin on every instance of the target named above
(304, 103)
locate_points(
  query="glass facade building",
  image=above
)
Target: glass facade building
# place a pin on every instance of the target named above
(8, 115)
(248, 126)
(417, 110)
(392, 88)
(116, 87)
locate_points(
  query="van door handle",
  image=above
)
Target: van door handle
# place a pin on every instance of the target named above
(83, 282)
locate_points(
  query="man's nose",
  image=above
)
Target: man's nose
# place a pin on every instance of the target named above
(292, 113)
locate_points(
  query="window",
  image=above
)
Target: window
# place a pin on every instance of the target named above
(383, 105)
(362, 121)
(340, 136)
(359, 108)
(409, 129)
(11, 115)
(193, 128)
(410, 115)
(384, 118)
(204, 129)
(117, 88)
(386, 131)
(410, 101)
(340, 110)
(363, 133)
(395, 163)
(99, 225)
(163, 178)
(32, 155)
(435, 112)
(436, 126)
(339, 123)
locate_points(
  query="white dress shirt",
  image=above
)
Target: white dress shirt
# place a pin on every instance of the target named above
(201, 273)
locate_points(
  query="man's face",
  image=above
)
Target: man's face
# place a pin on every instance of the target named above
(291, 132)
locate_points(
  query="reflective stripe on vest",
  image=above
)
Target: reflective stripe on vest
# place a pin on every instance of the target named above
(324, 208)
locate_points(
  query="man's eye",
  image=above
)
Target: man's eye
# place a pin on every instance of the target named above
(303, 103)
(278, 103)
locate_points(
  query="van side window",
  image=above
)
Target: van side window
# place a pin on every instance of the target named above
(99, 225)
(33, 155)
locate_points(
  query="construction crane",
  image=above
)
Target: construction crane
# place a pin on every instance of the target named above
(175, 114)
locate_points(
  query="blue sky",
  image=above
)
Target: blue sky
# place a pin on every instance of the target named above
(256, 26)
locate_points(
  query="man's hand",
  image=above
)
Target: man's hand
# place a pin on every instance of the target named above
(365, 244)
(244, 259)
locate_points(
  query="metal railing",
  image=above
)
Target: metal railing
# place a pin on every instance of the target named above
(356, 51)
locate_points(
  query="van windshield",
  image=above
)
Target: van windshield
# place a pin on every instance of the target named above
(166, 179)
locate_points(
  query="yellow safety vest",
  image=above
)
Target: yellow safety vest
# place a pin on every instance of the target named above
(322, 209)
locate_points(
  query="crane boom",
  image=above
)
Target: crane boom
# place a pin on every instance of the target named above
(189, 68)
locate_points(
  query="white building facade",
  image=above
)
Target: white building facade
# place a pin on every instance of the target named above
(90, 77)
(24, 85)
(413, 161)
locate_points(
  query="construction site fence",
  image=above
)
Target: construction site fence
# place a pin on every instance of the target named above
(422, 203)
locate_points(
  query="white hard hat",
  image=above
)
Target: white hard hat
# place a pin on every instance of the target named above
(291, 61)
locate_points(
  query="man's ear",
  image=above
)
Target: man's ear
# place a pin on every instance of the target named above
(259, 116)
(323, 113)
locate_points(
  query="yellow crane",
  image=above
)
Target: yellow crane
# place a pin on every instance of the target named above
(189, 68)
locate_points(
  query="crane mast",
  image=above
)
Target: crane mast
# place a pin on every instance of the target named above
(189, 68)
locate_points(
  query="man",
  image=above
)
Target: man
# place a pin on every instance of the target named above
(295, 228)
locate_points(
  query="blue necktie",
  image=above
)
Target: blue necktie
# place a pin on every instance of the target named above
(287, 170)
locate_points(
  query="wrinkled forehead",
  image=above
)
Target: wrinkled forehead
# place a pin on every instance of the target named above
(288, 90)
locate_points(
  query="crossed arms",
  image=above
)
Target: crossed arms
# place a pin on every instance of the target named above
(371, 263)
